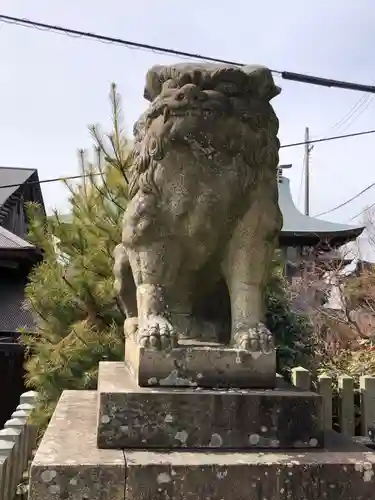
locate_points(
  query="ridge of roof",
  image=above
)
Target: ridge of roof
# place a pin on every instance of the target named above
(19, 168)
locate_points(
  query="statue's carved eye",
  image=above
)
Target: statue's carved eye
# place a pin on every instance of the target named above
(180, 97)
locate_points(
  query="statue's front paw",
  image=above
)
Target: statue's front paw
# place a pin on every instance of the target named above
(157, 333)
(253, 339)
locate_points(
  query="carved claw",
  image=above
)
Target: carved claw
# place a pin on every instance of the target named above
(253, 339)
(157, 333)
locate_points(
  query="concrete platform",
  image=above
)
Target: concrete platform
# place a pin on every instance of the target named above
(130, 416)
(68, 466)
(201, 364)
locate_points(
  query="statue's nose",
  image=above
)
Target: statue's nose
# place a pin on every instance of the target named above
(189, 94)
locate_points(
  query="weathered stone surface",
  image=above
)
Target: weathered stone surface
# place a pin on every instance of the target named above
(134, 417)
(199, 364)
(68, 464)
(342, 471)
(203, 206)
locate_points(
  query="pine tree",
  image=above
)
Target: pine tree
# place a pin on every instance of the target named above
(71, 293)
(79, 322)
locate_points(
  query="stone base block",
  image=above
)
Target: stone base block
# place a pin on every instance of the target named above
(68, 465)
(201, 364)
(130, 416)
(341, 471)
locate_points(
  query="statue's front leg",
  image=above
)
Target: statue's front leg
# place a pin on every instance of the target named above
(154, 273)
(155, 260)
(246, 268)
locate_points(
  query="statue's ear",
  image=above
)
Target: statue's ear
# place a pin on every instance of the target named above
(154, 83)
(261, 82)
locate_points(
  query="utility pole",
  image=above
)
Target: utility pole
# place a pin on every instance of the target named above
(307, 171)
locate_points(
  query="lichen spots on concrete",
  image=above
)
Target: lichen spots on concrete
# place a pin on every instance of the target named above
(48, 475)
(368, 475)
(105, 419)
(54, 489)
(254, 439)
(173, 379)
(216, 440)
(163, 478)
(181, 436)
(222, 474)
(367, 469)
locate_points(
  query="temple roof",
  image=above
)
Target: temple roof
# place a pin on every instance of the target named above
(301, 230)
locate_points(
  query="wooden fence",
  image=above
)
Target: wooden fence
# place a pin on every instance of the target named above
(17, 442)
(349, 411)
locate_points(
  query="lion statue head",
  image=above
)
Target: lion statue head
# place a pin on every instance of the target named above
(205, 108)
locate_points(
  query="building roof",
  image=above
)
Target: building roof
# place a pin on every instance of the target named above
(301, 230)
(10, 241)
(14, 177)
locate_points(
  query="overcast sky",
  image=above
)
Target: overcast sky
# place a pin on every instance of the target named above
(52, 86)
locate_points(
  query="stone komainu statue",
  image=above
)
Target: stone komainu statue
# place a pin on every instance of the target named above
(203, 220)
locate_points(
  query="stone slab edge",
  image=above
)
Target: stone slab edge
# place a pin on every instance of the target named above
(68, 464)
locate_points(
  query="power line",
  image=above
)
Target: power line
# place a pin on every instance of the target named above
(363, 211)
(312, 141)
(347, 201)
(327, 139)
(112, 40)
(286, 75)
(354, 113)
(54, 179)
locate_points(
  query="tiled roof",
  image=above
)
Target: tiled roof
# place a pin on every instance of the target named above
(13, 314)
(14, 177)
(10, 241)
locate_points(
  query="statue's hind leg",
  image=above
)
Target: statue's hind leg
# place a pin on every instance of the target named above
(246, 267)
(125, 289)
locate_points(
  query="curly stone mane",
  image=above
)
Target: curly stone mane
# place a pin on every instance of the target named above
(214, 110)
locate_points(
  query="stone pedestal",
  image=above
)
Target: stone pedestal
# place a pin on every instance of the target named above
(201, 364)
(69, 465)
(163, 417)
(180, 440)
